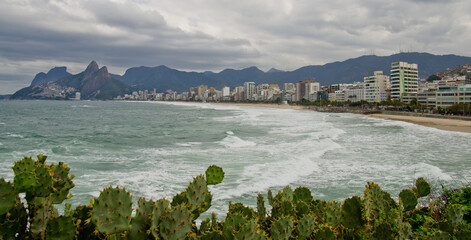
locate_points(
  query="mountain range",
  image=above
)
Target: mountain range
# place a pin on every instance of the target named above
(163, 78)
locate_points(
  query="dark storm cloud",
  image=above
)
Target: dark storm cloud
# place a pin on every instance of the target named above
(36, 35)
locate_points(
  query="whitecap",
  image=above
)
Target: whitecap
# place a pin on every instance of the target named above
(235, 142)
(188, 144)
(15, 135)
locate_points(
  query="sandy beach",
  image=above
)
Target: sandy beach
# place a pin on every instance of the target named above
(439, 123)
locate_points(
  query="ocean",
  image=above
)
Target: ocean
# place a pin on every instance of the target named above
(155, 148)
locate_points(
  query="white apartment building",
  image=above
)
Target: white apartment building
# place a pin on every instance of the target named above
(404, 79)
(376, 87)
(356, 92)
(249, 90)
(226, 91)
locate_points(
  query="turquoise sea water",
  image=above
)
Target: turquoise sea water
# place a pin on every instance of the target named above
(154, 149)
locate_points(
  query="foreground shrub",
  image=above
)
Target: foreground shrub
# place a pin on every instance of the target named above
(294, 214)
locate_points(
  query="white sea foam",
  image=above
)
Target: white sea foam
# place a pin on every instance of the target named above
(188, 144)
(235, 142)
(15, 135)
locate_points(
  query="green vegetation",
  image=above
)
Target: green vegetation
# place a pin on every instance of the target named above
(27, 211)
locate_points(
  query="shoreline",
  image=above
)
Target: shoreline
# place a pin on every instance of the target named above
(454, 125)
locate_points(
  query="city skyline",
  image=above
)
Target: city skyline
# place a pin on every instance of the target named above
(214, 35)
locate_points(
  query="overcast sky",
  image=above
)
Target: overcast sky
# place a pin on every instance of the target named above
(199, 35)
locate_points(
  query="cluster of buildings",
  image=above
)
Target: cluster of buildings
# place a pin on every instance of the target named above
(402, 84)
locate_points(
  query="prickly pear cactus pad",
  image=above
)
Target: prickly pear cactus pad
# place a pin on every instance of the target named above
(141, 222)
(62, 183)
(8, 196)
(61, 228)
(408, 199)
(351, 212)
(25, 179)
(423, 187)
(282, 228)
(302, 194)
(112, 210)
(261, 210)
(176, 224)
(198, 196)
(305, 227)
(44, 182)
(214, 175)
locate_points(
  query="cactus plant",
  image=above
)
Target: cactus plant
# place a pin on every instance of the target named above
(302, 194)
(287, 194)
(305, 227)
(454, 214)
(261, 210)
(232, 225)
(8, 196)
(283, 208)
(333, 213)
(214, 175)
(404, 232)
(383, 231)
(43, 187)
(248, 231)
(112, 211)
(302, 209)
(160, 209)
(198, 196)
(377, 202)
(282, 228)
(85, 228)
(25, 179)
(61, 228)
(325, 233)
(270, 197)
(246, 212)
(213, 236)
(62, 183)
(439, 235)
(141, 222)
(176, 224)
(42, 211)
(13, 223)
(423, 187)
(351, 212)
(408, 199)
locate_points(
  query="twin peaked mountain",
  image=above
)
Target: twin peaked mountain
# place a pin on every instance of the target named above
(95, 83)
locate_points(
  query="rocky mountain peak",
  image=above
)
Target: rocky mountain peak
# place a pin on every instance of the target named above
(91, 69)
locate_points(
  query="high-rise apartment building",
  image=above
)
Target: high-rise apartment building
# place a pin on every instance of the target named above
(249, 90)
(404, 79)
(306, 87)
(376, 87)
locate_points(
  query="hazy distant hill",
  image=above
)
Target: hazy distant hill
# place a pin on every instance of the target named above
(52, 75)
(93, 83)
(163, 78)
